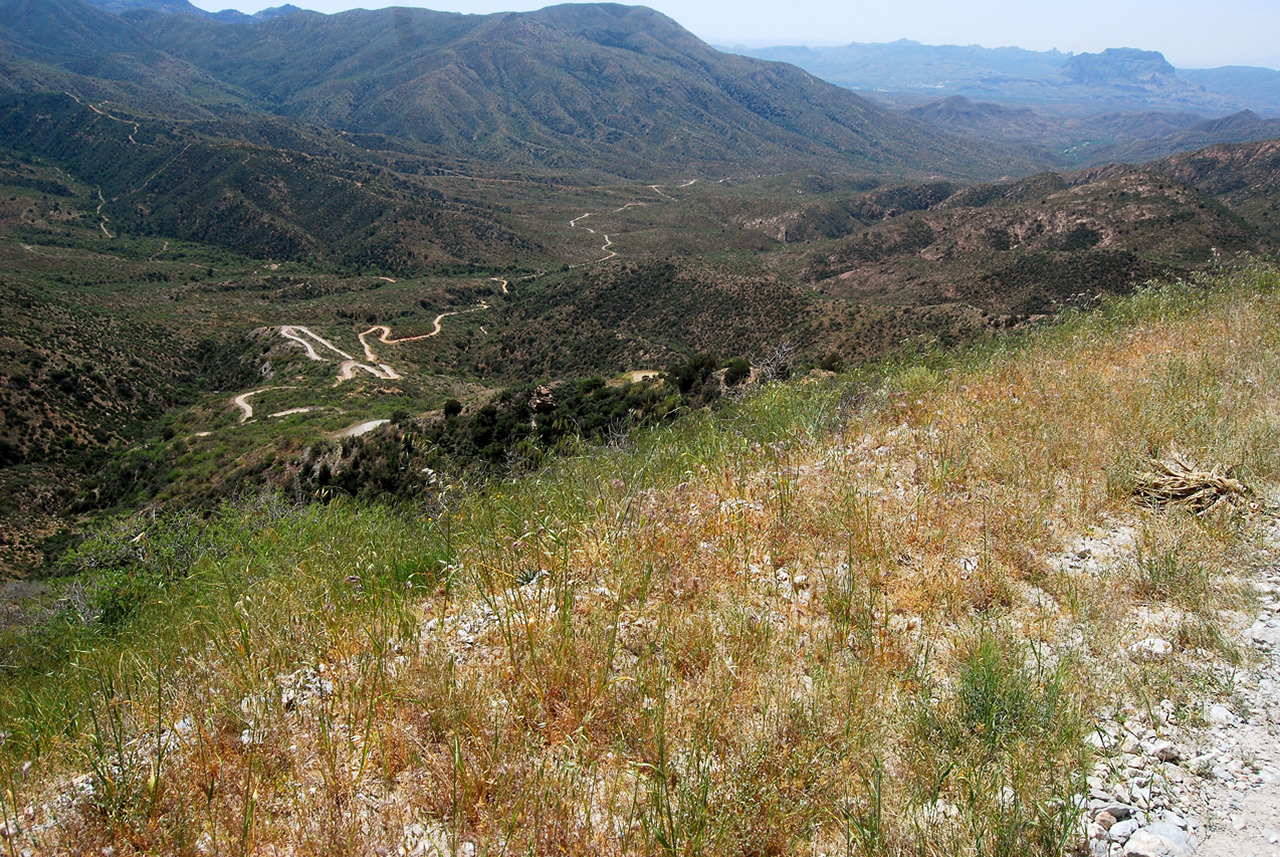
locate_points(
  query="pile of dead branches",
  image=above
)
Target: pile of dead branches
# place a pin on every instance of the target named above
(1175, 481)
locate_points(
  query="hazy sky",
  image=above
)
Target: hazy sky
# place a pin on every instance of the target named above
(1190, 33)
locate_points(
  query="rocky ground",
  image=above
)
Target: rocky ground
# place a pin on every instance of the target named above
(1172, 783)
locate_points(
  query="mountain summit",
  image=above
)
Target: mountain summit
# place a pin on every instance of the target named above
(183, 7)
(1118, 66)
(622, 89)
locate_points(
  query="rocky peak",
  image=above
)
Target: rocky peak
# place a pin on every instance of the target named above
(1117, 66)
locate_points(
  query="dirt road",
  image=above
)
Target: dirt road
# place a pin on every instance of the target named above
(242, 401)
(297, 334)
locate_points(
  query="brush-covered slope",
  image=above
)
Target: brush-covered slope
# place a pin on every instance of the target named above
(55, 30)
(1245, 178)
(616, 88)
(1242, 127)
(1259, 87)
(1124, 137)
(1022, 247)
(238, 188)
(886, 610)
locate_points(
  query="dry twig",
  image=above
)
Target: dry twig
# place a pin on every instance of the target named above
(1176, 481)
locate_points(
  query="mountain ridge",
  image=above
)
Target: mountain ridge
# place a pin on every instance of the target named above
(908, 73)
(593, 85)
(184, 7)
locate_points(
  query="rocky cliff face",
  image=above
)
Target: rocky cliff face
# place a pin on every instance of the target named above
(1120, 66)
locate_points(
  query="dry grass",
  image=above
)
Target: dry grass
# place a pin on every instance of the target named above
(836, 619)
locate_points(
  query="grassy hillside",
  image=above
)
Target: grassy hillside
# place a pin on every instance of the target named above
(846, 614)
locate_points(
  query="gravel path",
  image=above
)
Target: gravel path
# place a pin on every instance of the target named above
(384, 332)
(360, 428)
(1208, 783)
(1242, 791)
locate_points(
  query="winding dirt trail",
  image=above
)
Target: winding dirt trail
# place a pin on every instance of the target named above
(384, 332)
(657, 188)
(96, 109)
(608, 242)
(102, 223)
(605, 248)
(350, 365)
(382, 371)
(242, 402)
(288, 412)
(385, 337)
(360, 428)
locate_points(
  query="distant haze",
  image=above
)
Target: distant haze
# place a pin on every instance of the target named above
(1190, 33)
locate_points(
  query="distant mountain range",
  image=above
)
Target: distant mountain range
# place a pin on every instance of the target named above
(625, 91)
(1118, 105)
(1129, 137)
(1117, 79)
(617, 89)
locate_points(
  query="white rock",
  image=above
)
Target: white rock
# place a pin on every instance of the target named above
(1220, 714)
(1160, 840)
(1122, 830)
(1151, 650)
(1165, 751)
(1261, 632)
(1100, 740)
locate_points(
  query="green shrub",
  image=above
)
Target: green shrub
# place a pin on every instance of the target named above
(736, 371)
